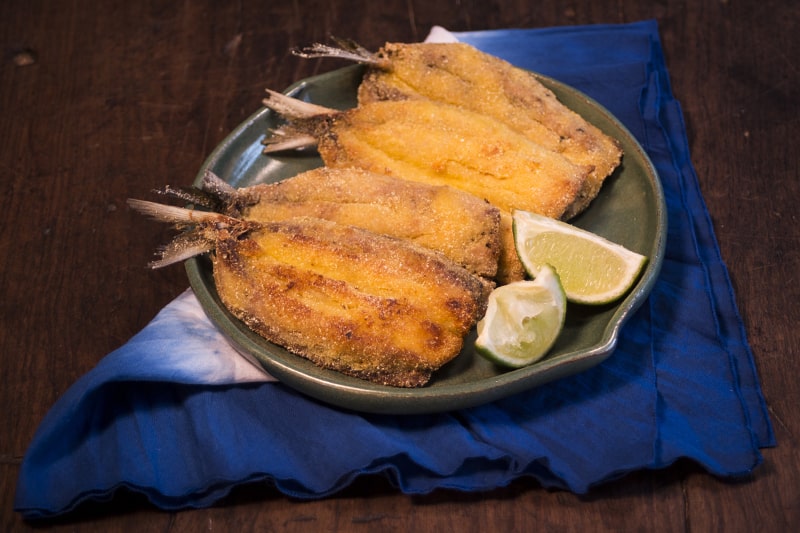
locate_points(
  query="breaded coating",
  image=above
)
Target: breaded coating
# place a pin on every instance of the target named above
(509, 265)
(435, 143)
(367, 305)
(461, 226)
(461, 75)
(438, 144)
(430, 142)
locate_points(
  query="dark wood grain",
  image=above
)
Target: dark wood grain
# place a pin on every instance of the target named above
(101, 101)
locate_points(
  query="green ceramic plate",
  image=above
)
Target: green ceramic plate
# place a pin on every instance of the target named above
(630, 210)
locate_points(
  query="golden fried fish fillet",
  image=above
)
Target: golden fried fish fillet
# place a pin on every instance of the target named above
(461, 75)
(367, 305)
(461, 226)
(435, 143)
(439, 144)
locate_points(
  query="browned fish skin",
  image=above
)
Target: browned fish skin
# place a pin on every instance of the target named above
(439, 144)
(433, 143)
(426, 141)
(366, 305)
(461, 226)
(459, 74)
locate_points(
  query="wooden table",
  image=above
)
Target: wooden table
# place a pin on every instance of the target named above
(101, 101)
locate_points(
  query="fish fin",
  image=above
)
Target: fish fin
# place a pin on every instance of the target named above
(345, 49)
(173, 214)
(287, 138)
(293, 108)
(184, 246)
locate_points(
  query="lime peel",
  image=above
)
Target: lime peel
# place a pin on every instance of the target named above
(523, 320)
(593, 270)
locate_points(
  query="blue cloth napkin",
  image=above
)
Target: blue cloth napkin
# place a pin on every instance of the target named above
(682, 384)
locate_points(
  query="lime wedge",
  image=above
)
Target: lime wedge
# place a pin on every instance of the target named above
(593, 270)
(522, 320)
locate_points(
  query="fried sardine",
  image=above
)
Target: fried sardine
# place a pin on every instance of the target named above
(367, 305)
(439, 144)
(461, 75)
(461, 226)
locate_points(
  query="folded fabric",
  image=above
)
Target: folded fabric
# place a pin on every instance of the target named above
(176, 415)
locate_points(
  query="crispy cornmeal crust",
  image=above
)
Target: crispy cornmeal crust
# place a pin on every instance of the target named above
(461, 226)
(461, 75)
(440, 144)
(367, 305)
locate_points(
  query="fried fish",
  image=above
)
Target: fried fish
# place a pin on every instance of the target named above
(461, 226)
(439, 144)
(461, 75)
(367, 305)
